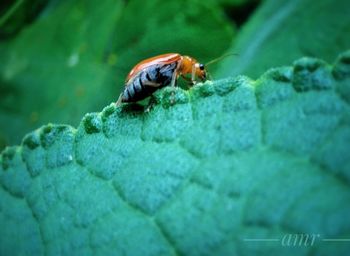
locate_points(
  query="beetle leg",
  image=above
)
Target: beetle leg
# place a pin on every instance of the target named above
(150, 105)
(193, 76)
(188, 80)
(152, 84)
(172, 85)
(173, 79)
(119, 101)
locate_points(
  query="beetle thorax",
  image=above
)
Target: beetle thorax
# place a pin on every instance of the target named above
(186, 65)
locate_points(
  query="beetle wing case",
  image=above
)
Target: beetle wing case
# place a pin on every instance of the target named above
(157, 60)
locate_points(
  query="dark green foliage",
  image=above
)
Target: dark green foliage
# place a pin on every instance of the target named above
(282, 31)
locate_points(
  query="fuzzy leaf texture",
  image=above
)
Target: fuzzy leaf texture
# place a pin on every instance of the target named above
(232, 160)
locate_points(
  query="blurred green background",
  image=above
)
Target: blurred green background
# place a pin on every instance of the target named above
(61, 59)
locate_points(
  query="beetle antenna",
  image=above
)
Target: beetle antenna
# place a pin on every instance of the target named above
(220, 58)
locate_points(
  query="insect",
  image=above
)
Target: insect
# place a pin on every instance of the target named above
(154, 73)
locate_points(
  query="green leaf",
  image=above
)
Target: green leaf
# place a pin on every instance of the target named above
(282, 31)
(75, 56)
(232, 160)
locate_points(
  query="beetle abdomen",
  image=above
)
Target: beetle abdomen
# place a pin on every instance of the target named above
(148, 81)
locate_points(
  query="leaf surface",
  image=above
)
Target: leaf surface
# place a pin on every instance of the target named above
(232, 160)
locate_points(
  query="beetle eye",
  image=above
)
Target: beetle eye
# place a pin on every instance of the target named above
(201, 66)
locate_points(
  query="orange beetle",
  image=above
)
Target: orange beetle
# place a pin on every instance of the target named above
(154, 73)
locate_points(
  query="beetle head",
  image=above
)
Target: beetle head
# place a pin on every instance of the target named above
(200, 71)
(191, 66)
